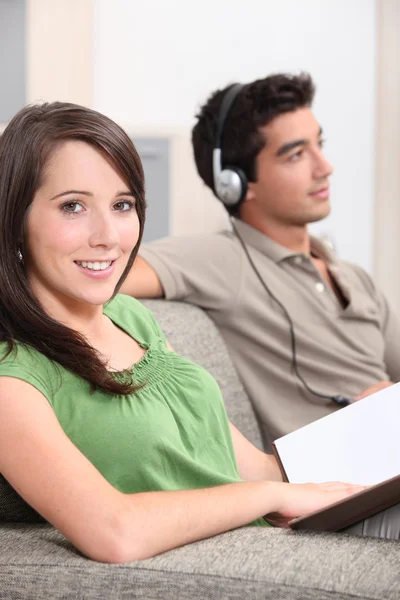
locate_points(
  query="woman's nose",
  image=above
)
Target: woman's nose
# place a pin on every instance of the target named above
(104, 232)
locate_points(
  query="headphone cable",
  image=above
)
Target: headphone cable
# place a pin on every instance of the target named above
(337, 399)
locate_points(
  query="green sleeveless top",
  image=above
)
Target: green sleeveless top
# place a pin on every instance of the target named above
(171, 434)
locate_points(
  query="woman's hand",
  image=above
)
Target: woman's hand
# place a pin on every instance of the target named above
(297, 500)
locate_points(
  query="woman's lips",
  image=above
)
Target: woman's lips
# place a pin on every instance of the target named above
(102, 274)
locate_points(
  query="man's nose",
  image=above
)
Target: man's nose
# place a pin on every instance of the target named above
(323, 167)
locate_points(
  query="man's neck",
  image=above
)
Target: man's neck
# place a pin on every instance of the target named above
(295, 238)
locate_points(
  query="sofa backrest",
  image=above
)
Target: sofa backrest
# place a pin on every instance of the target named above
(13, 509)
(191, 333)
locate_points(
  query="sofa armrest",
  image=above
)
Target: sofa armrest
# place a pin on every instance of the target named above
(251, 563)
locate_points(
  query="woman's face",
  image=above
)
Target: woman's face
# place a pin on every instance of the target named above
(81, 229)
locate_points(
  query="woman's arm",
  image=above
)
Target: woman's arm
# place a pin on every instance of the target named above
(52, 475)
(253, 464)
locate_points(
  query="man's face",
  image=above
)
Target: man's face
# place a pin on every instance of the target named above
(292, 185)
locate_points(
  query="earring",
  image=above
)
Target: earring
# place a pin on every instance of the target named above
(19, 254)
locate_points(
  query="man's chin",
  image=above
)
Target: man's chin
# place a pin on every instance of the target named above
(321, 212)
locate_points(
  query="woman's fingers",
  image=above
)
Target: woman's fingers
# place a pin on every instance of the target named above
(298, 500)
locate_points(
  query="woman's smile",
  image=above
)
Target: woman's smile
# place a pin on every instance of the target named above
(96, 269)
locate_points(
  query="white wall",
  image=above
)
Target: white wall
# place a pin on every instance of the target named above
(156, 60)
(387, 205)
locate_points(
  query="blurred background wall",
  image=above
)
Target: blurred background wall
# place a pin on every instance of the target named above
(149, 64)
(155, 61)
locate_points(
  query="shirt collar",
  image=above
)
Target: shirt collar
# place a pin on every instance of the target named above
(277, 253)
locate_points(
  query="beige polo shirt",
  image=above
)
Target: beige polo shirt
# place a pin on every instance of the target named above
(339, 350)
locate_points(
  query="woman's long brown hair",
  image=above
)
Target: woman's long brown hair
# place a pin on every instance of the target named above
(26, 146)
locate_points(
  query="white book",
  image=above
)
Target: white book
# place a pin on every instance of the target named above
(357, 444)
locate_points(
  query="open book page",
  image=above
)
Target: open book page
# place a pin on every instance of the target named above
(357, 444)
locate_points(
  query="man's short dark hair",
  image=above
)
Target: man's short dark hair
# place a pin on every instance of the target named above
(256, 105)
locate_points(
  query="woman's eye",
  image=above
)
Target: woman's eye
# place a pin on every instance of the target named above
(72, 207)
(123, 205)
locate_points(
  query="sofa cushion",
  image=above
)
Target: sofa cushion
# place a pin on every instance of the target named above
(251, 563)
(192, 334)
(13, 509)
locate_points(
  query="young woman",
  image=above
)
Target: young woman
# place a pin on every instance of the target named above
(117, 441)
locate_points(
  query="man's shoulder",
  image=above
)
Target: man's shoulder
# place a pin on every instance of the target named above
(203, 269)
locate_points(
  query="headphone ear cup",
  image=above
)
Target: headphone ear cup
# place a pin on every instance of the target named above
(231, 186)
(244, 185)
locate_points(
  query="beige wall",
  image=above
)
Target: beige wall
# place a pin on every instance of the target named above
(194, 206)
(387, 200)
(60, 67)
(59, 50)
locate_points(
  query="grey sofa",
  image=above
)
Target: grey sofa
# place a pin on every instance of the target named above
(36, 562)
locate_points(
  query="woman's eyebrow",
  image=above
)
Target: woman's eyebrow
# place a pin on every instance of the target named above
(71, 192)
(83, 193)
(127, 193)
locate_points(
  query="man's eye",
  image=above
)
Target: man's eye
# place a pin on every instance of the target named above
(295, 156)
(124, 205)
(321, 143)
(72, 207)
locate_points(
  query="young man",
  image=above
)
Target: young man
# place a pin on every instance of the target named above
(305, 331)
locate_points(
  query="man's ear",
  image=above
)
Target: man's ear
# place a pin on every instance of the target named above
(250, 194)
(248, 202)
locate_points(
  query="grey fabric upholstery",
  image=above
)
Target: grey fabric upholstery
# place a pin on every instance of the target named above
(37, 562)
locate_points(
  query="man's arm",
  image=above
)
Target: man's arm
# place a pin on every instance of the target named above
(142, 281)
(390, 328)
(203, 270)
(391, 333)
(373, 389)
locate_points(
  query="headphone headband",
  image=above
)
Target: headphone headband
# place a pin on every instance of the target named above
(226, 104)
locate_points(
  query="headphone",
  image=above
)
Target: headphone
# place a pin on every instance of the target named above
(230, 183)
(230, 186)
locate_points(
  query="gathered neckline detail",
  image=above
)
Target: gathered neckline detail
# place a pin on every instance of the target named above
(152, 367)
